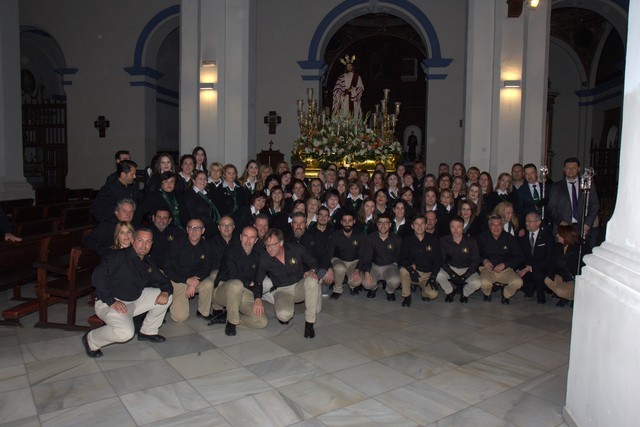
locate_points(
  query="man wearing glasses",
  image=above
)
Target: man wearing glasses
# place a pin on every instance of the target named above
(380, 260)
(235, 286)
(189, 269)
(293, 273)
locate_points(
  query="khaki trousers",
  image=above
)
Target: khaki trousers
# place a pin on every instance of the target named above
(340, 270)
(180, 308)
(473, 282)
(238, 301)
(561, 288)
(307, 290)
(388, 273)
(119, 327)
(506, 277)
(426, 291)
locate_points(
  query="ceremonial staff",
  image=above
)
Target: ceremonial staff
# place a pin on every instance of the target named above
(544, 173)
(585, 186)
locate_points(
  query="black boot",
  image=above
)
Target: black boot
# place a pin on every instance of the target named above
(230, 329)
(372, 293)
(406, 302)
(309, 332)
(391, 297)
(217, 317)
(449, 297)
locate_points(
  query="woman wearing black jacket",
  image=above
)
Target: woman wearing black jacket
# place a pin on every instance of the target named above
(564, 264)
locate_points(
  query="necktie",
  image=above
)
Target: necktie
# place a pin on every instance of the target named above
(533, 242)
(536, 195)
(574, 201)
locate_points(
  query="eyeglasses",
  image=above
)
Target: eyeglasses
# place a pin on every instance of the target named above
(195, 228)
(272, 245)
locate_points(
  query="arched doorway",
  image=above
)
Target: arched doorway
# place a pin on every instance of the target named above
(586, 77)
(167, 115)
(44, 109)
(389, 52)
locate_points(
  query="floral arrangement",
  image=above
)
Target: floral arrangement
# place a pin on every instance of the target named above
(345, 142)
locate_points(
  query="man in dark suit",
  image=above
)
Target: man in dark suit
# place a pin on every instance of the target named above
(113, 191)
(567, 200)
(536, 246)
(530, 194)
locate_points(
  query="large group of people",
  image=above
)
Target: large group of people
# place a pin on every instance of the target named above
(243, 242)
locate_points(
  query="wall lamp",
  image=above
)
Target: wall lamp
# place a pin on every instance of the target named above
(207, 86)
(512, 83)
(208, 63)
(534, 3)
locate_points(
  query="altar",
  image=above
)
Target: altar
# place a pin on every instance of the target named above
(346, 140)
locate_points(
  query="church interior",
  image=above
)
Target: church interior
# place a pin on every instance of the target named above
(486, 83)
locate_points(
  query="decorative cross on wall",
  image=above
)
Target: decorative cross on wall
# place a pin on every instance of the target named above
(272, 120)
(101, 124)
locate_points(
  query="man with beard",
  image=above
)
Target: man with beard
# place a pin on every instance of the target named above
(164, 234)
(344, 248)
(380, 260)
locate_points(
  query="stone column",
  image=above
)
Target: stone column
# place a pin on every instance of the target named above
(604, 370)
(12, 182)
(220, 120)
(499, 49)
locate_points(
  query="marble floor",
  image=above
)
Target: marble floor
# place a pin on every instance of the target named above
(372, 362)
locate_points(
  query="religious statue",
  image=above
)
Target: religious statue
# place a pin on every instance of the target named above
(347, 91)
(412, 143)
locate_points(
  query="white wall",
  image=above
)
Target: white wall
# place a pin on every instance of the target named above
(284, 29)
(99, 40)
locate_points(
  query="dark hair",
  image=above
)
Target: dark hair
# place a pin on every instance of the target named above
(193, 153)
(299, 215)
(457, 219)
(185, 157)
(261, 216)
(527, 166)
(125, 166)
(120, 152)
(322, 208)
(383, 216)
(568, 234)
(156, 165)
(572, 160)
(160, 209)
(273, 232)
(167, 175)
(257, 195)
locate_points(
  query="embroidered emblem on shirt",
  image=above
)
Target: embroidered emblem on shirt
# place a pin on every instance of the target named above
(202, 256)
(293, 261)
(505, 247)
(429, 248)
(465, 250)
(170, 238)
(390, 246)
(149, 270)
(355, 243)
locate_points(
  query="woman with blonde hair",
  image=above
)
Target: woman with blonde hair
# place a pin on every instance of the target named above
(123, 235)
(510, 221)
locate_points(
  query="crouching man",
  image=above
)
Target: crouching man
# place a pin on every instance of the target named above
(293, 273)
(128, 284)
(235, 286)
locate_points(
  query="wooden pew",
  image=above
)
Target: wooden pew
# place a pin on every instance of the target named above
(16, 259)
(76, 217)
(28, 213)
(53, 250)
(79, 194)
(54, 210)
(9, 205)
(37, 227)
(76, 283)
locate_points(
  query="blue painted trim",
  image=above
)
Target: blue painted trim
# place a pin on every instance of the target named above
(436, 76)
(313, 62)
(144, 71)
(146, 31)
(437, 62)
(164, 101)
(618, 94)
(311, 78)
(159, 89)
(603, 87)
(66, 70)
